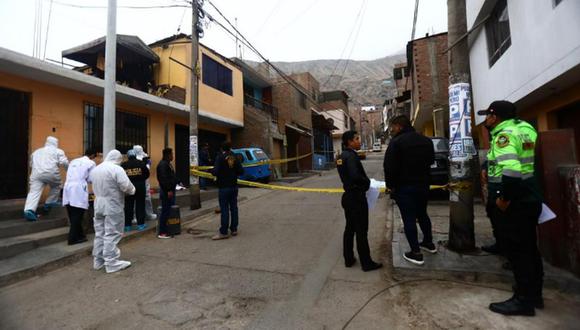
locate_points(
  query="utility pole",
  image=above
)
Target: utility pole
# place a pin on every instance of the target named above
(462, 150)
(110, 79)
(194, 193)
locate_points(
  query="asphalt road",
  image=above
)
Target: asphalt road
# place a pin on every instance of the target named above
(283, 271)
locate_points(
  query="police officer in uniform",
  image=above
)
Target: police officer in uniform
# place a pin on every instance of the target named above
(355, 183)
(517, 204)
(138, 173)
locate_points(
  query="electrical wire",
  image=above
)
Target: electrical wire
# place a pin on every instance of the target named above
(47, 29)
(346, 44)
(414, 281)
(121, 7)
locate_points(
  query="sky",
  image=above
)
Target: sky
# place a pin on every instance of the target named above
(282, 30)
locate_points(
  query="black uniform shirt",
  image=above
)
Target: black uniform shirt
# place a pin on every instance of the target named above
(352, 174)
(136, 170)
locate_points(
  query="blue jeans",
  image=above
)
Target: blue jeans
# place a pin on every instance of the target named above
(412, 202)
(228, 199)
(166, 204)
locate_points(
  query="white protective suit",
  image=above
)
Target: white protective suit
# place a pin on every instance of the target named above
(45, 164)
(110, 185)
(148, 204)
(76, 192)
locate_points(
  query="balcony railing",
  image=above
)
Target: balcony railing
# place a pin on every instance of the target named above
(268, 108)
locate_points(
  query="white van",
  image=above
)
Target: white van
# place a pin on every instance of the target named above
(377, 146)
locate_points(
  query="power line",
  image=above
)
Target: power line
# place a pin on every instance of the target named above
(353, 46)
(346, 44)
(121, 7)
(47, 29)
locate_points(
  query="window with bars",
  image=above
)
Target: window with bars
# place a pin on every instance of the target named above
(498, 32)
(216, 75)
(130, 129)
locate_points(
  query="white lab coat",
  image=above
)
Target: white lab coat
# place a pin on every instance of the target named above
(110, 185)
(45, 164)
(76, 192)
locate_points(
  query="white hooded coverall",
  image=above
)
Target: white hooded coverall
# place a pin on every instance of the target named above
(45, 164)
(110, 185)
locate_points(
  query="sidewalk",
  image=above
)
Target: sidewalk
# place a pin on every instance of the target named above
(478, 266)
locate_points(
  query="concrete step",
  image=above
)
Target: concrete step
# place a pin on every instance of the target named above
(12, 246)
(19, 227)
(16, 211)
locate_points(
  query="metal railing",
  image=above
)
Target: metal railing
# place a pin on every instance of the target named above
(258, 104)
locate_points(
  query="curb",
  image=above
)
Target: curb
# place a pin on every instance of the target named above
(72, 257)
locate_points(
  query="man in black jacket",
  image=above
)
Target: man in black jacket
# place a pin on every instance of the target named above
(407, 162)
(137, 172)
(355, 183)
(167, 181)
(227, 168)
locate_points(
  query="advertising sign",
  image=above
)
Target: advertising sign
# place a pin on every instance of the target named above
(461, 145)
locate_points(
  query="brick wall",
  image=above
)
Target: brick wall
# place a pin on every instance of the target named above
(430, 72)
(256, 131)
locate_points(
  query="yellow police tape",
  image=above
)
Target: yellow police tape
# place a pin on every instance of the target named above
(263, 162)
(449, 186)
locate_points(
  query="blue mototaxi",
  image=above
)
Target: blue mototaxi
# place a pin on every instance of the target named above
(248, 156)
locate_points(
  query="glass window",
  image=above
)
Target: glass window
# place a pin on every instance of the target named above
(398, 72)
(440, 145)
(130, 129)
(260, 155)
(249, 155)
(498, 32)
(216, 75)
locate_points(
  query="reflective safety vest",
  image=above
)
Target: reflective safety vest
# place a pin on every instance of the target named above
(511, 162)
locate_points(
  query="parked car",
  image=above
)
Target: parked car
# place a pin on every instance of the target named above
(248, 156)
(377, 147)
(440, 168)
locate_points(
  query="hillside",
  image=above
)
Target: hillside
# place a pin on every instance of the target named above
(362, 80)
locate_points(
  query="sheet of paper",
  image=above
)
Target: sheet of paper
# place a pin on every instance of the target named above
(546, 215)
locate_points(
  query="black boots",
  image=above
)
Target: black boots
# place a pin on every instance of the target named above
(492, 249)
(514, 306)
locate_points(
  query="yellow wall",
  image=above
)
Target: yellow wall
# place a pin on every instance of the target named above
(428, 129)
(63, 109)
(211, 100)
(545, 110)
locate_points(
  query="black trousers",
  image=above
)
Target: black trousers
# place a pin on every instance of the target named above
(137, 203)
(356, 212)
(75, 216)
(516, 229)
(490, 209)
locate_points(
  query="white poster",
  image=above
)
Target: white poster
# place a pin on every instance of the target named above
(193, 157)
(461, 145)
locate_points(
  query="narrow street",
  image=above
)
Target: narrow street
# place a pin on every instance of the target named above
(283, 271)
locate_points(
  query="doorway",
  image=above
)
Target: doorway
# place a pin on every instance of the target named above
(14, 126)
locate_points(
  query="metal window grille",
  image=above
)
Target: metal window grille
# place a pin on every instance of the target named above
(130, 129)
(498, 32)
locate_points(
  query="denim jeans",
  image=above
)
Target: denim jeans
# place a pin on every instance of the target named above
(166, 204)
(228, 199)
(412, 202)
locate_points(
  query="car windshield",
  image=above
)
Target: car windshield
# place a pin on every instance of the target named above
(260, 155)
(440, 145)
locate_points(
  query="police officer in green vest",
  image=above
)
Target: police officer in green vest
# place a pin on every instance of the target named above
(518, 204)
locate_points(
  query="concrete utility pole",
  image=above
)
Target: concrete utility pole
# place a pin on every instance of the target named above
(110, 79)
(194, 193)
(461, 148)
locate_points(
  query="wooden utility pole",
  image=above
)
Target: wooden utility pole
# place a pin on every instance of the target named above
(194, 193)
(461, 148)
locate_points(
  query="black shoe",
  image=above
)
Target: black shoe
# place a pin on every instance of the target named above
(513, 306)
(349, 263)
(372, 266)
(414, 257)
(429, 247)
(493, 249)
(79, 241)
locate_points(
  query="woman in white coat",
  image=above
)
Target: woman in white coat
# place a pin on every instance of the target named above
(110, 185)
(75, 195)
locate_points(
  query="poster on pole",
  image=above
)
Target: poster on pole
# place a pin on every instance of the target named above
(193, 158)
(461, 146)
